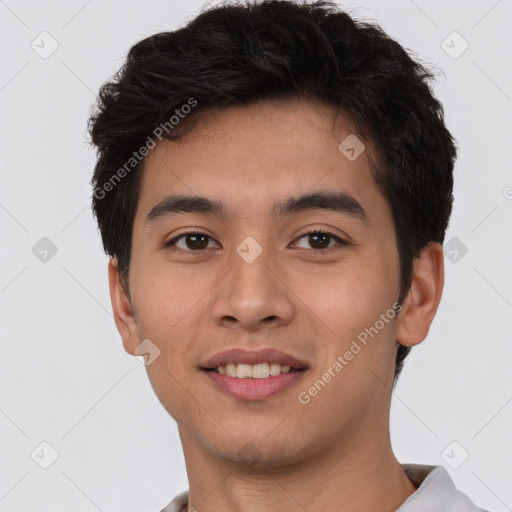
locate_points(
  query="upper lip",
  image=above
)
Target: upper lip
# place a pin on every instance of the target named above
(242, 356)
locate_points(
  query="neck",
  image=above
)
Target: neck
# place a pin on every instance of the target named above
(350, 476)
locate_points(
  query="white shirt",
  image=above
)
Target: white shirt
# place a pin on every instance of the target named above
(436, 493)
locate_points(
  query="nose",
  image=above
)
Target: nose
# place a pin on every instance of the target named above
(253, 295)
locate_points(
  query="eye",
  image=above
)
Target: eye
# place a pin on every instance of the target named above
(320, 240)
(191, 241)
(194, 241)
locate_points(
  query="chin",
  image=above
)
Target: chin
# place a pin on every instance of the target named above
(261, 453)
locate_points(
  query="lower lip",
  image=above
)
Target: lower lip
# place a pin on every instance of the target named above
(255, 389)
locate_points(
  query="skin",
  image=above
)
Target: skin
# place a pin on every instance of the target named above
(293, 297)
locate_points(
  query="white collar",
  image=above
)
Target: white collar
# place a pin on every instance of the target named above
(436, 491)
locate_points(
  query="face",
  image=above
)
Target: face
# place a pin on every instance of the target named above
(266, 277)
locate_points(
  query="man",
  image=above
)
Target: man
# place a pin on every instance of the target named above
(273, 186)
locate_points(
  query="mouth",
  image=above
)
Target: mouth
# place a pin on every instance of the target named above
(254, 371)
(253, 375)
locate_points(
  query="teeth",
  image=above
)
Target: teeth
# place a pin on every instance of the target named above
(230, 370)
(243, 371)
(256, 371)
(275, 369)
(260, 371)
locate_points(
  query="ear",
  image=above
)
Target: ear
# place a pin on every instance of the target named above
(121, 306)
(422, 301)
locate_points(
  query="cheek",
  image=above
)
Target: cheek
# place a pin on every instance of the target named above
(350, 297)
(357, 349)
(169, 311)
(164, 299)
(346, 307)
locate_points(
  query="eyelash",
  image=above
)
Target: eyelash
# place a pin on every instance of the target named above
(172, 242)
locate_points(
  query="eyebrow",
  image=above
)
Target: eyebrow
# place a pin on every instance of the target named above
(340, 202)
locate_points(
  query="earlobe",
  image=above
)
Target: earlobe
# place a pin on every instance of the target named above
(122, 309)
(422, 301)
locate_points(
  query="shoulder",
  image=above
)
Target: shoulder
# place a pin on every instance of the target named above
(178, 504)
(436, 491)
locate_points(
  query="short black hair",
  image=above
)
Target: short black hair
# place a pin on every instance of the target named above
(239, 53)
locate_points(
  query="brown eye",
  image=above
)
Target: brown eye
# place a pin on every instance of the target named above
(319, 240)
(192, 241)
(196, 241)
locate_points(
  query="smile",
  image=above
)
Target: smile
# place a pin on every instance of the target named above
(254, 371)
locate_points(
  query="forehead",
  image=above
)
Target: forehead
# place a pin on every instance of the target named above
(254, 156)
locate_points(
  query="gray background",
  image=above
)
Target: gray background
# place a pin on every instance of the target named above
(65, 378)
